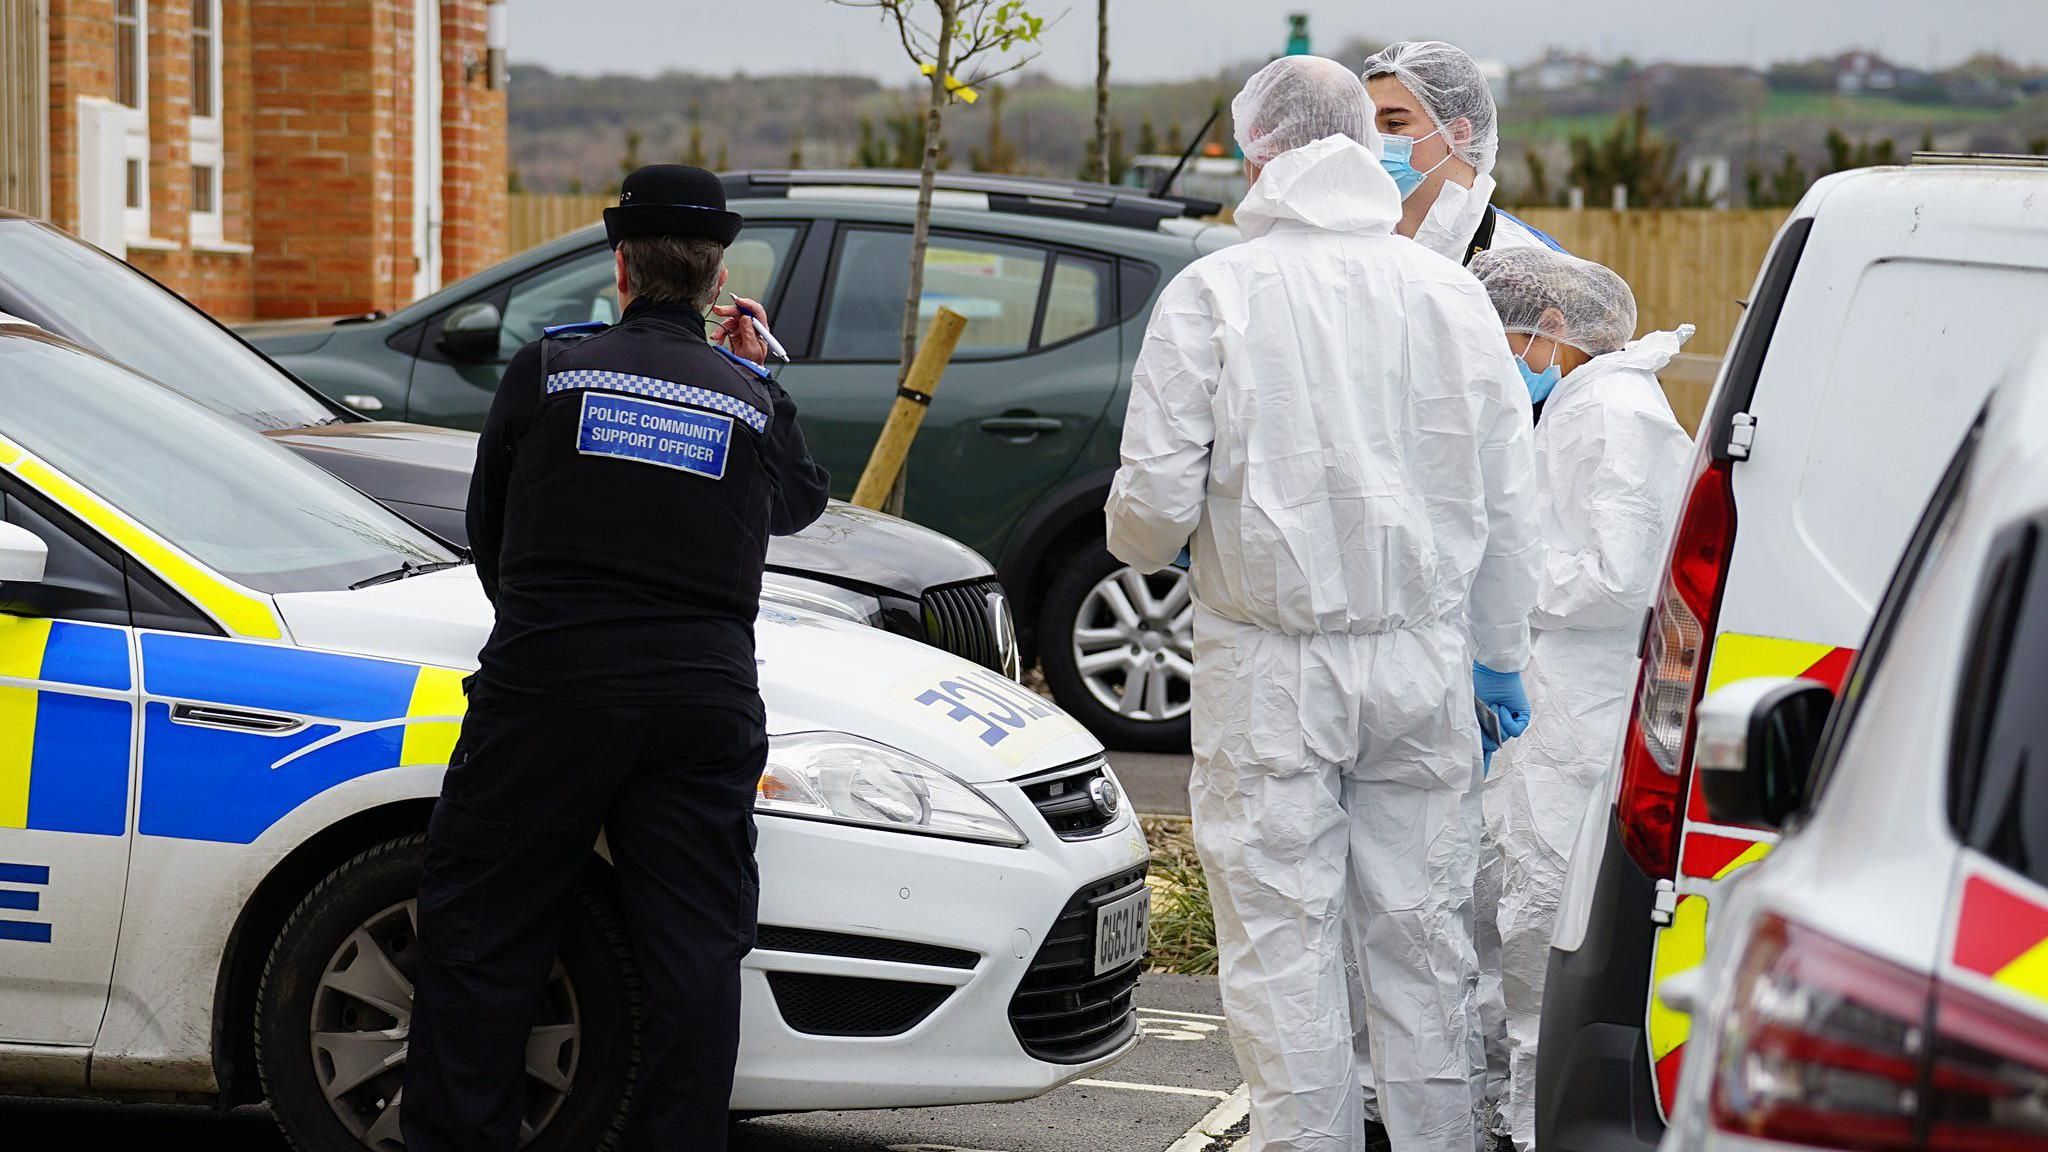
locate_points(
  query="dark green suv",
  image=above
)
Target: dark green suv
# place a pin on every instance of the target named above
(1056, 281)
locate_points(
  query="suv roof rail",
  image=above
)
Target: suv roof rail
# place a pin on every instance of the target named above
(1977, 160)
(1021, 195)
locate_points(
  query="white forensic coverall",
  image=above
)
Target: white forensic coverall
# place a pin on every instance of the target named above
(1330, 412)
(1455, 217)
(1611, 465)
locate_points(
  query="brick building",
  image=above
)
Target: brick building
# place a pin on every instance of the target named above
(266, 158)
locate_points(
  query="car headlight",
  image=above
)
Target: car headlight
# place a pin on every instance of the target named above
(847, 780)
(780, 588)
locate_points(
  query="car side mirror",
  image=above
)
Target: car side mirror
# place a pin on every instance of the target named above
(471, 332)
(22, 555)
(1755, 748)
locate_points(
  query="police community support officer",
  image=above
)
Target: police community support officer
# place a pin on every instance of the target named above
(626, 485)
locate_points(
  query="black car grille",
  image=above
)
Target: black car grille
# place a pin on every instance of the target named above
(816, 943)
(1063, 1013)
(852, 1005)
(1065, 798)
(957, 618)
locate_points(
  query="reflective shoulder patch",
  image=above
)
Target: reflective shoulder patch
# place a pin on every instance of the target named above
(659, 389)
(757, 371)
(586, 328)
(629, 428)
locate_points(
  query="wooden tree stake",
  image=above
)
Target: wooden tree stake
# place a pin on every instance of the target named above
(892, 447)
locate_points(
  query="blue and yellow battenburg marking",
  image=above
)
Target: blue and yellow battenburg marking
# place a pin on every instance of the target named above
(361, 715)
(64, 753)
(17, 899)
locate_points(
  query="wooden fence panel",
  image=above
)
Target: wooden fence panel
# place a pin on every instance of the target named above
(24, 107)
(1685, 265)
(536, 219)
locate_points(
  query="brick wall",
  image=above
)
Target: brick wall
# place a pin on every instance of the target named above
(317, 178)
(81, 64)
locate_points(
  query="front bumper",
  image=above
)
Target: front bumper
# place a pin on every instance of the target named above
(1594, 1090)
(950, 928)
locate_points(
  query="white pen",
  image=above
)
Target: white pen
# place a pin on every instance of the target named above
(761, 329)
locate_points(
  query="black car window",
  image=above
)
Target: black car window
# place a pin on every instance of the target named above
(996, 285)
(1077, 301)
(81, 580)
(80, 292)
(1998, 774)
(1921, 548)
(585, 287)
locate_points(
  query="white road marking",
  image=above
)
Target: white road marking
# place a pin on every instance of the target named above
(1169, 1089)
(1175, 1028)
(1183, 1015)
(1234, 1108)
(933, 1148)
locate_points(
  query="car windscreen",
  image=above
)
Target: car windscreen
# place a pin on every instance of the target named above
(95, 300)
(239, 504)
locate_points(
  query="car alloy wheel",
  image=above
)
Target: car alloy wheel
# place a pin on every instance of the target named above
(362, 1018)
(1134, 643)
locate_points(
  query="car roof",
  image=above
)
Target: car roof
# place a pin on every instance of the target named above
(1000, 192)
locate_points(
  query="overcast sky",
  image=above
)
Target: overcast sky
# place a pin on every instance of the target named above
(1164, 39)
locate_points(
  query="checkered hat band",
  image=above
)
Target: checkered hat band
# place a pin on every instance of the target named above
(603, 381)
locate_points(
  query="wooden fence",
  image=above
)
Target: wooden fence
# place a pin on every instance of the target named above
(533, 219)
(1686, 266)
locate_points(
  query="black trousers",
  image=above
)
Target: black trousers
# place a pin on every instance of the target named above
(526, 794)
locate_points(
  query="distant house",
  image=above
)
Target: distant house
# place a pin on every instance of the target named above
(1562, 71)
(1859, 72)
(263, 157)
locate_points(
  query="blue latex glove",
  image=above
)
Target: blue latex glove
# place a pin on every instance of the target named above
(1503, 693)
(1183, 560)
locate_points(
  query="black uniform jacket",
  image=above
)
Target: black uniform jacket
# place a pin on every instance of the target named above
(626, 485)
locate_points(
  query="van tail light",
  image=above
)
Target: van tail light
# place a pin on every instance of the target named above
(1988, 1089)
(1657, 748)
(1828, 1046)
(1821, 1044)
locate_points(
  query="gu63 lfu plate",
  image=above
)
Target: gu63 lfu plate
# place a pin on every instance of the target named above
(1120, 930)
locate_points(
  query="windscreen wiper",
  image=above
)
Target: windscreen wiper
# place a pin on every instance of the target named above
(409, 568)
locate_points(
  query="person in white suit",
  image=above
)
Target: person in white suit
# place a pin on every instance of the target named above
(1329, 412)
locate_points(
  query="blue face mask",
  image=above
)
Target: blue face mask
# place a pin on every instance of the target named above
(1539, 383)
(1398, 158)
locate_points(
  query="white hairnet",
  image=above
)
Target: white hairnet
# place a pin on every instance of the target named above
(1595, 311)
(1448, 85)
(1296, 101)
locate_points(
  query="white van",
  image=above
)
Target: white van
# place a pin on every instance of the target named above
(1890, 302)
(1882, 981)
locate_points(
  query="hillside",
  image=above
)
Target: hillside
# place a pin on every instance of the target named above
(574, 132)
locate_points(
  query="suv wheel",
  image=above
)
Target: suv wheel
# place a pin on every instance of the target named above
(335, 1006)
(1118, 650)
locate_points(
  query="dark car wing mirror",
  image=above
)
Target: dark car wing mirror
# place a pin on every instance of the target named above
(1755, 747)
(471, 332)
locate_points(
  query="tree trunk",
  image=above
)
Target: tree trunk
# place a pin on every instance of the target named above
(1102, 91)
(921, 231)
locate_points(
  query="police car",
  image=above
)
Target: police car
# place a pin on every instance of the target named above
(229, 685)
(1881, 980)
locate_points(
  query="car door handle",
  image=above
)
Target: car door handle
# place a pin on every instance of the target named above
(1021, 427)
(234, 719)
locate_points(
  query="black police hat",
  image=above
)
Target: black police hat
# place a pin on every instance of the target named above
(671, 200)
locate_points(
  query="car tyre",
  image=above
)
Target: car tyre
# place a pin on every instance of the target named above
(585, 1035)
(1099, 609)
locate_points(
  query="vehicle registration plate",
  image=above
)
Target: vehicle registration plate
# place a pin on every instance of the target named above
(1120, 930)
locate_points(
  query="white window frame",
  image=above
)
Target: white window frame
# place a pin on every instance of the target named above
(135, 148)
(207, 139)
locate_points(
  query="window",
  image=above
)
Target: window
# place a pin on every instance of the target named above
(86, 295)
(995, 285)
(1998, 777)
(233, 500)
(1078, 300)
(131, 89)
(206, 122)
(585, 288)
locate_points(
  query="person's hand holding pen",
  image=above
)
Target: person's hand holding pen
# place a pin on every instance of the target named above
(743, 330)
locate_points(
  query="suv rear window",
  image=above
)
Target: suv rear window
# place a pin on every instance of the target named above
(1016, 297)
(1998, 779)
